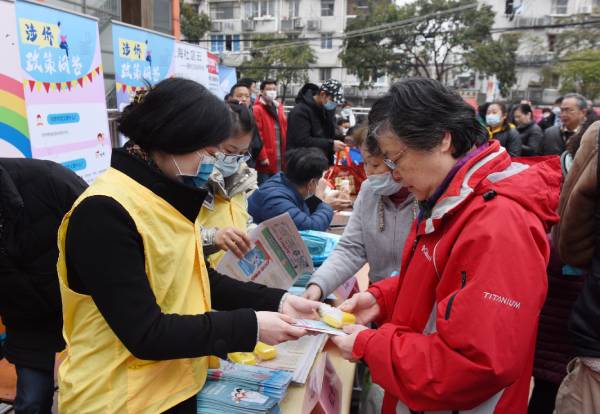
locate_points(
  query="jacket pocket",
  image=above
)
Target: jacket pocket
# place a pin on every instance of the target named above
(463, 282)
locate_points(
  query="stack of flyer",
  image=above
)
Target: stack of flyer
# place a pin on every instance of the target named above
(219, 397)
(270, 382)
(297, 356)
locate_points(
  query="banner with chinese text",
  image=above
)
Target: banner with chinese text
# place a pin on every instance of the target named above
(63, 88)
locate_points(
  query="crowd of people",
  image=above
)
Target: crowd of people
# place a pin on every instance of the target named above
(479, 228)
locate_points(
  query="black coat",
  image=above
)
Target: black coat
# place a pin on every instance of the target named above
(532, 139)
(555, 141)
(34, 197)
(310, 125)
(510, 139)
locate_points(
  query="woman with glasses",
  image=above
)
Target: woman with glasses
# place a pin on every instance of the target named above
(224, 218)
(137, 297)
(455, 332)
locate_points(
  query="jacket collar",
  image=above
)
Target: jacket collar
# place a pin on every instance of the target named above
(243, 181)
(494, 159)
(188, 201)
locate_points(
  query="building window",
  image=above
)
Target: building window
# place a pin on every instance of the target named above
(551, 42)
(224, 11)
(326, 41)
(262, 8)
(324, 74)
(327, 7)
(294, 8)
(162, 16)
(560, 6)
(225, 43)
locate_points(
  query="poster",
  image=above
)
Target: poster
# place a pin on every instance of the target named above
(63, 83)
(14, 136)
(191, 62)
(142, 57)
(213, 75)
(227, 78)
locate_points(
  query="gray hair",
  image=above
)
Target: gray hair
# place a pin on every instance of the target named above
(581, 100)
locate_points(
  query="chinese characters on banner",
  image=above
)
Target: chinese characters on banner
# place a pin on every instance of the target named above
(191, 62)
(141, 58)
(63, 87)
(213, 75)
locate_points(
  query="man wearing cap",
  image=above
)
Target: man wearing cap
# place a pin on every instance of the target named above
(312, 121)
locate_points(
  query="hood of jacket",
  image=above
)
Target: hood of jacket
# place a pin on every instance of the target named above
(534, 184)
(306, 94)
(243, 181)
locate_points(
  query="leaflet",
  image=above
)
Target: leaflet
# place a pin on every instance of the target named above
(278, 258)
(318, 326)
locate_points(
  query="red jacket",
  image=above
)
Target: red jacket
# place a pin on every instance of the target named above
(457, 328)
(265, 122)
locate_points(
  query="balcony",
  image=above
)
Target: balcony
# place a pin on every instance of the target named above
(292, 25)
(313, 25)
(216, 26)
(248, 25)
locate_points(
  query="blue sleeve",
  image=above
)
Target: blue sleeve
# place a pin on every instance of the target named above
(279, 203)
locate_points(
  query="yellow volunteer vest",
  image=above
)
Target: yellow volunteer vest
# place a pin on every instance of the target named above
(225, 213)
(99, 375)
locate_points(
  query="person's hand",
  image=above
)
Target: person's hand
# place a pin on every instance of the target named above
(346, 343)
(313, 292)
(339, 145)
(264, 163)
(363, 305)
(301, 308)
(275, 328)
(338, 200)
(233, 239)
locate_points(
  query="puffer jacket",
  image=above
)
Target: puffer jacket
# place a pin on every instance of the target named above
(575, 235)
(509, 138)
(457, 328)
(34, 197)
(278, 195)
(532, 139)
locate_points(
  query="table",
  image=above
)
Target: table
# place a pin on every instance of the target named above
(292, 403)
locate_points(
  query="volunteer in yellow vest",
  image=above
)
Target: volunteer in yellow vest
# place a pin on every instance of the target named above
(224, 218)
(136, 293)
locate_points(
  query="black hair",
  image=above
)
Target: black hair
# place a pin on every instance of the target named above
(558, 100)
(575, 141)
(342, 121)
(242, 121)
(176, 116)
(524, 108)
(247, 82)
(226, 98)
(305, 164)
(546, 110)
(267, 82)
(420, 111)
(500, 105)
(238, 85)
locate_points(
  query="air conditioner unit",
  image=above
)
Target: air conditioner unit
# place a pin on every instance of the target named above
(298, 25)
(248, 25)
(216, 26)
(587, 9)
(313, 25)
(229, 26)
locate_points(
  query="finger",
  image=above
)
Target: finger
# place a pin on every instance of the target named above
(337, 340)
(350, 329)
(235, 249)
(287, 319)
(306, 305)
(295, 332)
(246, 243)
(348, 305)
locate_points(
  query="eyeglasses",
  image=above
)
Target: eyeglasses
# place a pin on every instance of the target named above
(233, 158)
(393, 164)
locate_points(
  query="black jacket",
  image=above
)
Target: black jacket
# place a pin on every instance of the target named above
(509, 138)
(120, 287)
(34, 197)
(547, 122)
(310, 125)
(532, 139)
(555, 140)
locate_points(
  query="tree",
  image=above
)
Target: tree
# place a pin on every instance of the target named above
(497, 57)
(273, 57)
(193, 24)
(580, 72)
(432, 47)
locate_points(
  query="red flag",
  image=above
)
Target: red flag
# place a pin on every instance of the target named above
(46, 86)
(98, 70)
(89, 75)
(80, 81)
(69, 85)
(124, 87)
(31, 85)
(58, 85)
(133, 88)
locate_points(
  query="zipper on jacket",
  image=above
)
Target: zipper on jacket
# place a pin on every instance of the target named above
(463, 282)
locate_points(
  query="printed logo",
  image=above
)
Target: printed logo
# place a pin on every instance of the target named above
(502, 300)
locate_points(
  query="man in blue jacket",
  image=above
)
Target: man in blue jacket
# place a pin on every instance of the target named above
(294, 192)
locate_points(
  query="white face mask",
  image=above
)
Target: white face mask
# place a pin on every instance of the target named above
(384, 184)
(271, 95)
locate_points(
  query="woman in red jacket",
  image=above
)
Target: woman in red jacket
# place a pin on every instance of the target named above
(456, 330)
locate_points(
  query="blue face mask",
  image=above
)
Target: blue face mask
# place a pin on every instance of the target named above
(330, 105)
(205, 169)
(492, 119)
(384, 184)
(228, 164)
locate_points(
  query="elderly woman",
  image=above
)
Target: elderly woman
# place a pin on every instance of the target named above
(456, 330)
(382, 216)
